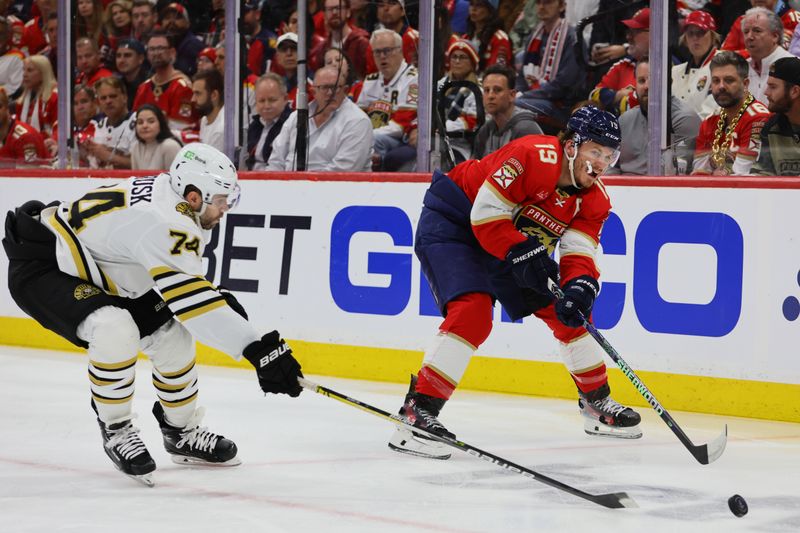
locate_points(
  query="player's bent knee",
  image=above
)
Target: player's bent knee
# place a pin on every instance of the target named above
(470, 317)
(111, 332)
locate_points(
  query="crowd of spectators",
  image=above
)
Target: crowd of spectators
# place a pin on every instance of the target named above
(148, 76)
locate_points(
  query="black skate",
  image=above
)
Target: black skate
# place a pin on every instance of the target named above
(421, 410)
(606, 417)
(194, 444)
(126, 450)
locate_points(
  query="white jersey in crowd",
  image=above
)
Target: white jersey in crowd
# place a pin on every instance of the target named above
(140, 234)
(392, 105)
(692, 86)
(119, 138)
(758, 79)
(343, 143)
(214, 133)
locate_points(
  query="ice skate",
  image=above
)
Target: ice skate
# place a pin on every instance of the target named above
(606, 417)
(195, 445)
(421, 410)
(126, 450)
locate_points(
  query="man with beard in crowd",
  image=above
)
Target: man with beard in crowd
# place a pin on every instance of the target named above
(175, 21)
(208, 97)
(728, 142)
(780, 137)
(143, 16)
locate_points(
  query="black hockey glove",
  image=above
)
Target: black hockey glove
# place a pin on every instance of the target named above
(232, 302)
(579, 295)
(276, 368)
(532, 265)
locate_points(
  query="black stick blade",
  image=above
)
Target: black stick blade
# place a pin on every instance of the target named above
(616, 500)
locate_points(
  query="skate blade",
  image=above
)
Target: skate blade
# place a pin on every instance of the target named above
(144, 479)
(597, 429)
(405, 441)
(193, 461)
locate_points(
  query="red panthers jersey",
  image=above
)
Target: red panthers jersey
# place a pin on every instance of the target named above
(520, 180)
(174, 98)
(23, 143)
(744, 145)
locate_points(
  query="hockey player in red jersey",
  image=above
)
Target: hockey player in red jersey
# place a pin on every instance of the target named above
(486, 232)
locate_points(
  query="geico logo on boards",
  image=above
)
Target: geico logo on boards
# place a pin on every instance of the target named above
(389, 274)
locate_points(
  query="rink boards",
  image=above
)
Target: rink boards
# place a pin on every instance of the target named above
(700, 286)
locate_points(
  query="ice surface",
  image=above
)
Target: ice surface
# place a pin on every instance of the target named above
(312, 463)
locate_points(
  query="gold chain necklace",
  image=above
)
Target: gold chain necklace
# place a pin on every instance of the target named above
(717, 151)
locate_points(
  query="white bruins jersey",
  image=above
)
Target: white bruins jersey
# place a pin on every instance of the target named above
(119, 138)
(139, 234)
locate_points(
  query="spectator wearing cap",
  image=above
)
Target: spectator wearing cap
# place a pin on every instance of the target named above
(206, 59)
(286, 64)
(273, 108)
(485, 32)
(175, 21)
(634, 128)
(789, 17)
(143, 19)
(34, 36)
(131, 67)
(87, 59)
(168, 88)
(780, 137)
(38, 104)
(392, 16)
(208, 97)
(691, 81)
(339, 133)
(763, 39)
(460, 105)
(615, 92)
(550, 79)
(19, 142)
(261, 41)
(10, 61)
(506, 121)
(353, 41)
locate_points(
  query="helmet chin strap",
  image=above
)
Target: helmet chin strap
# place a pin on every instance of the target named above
(571, 162)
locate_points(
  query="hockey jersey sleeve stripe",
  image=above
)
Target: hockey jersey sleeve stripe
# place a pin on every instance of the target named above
(191, 280)
(199, 309)
(88, 271)
(577, 241)
(490, 206)
(186, 288)
(189, 294)
(162, 272)
(114, 366)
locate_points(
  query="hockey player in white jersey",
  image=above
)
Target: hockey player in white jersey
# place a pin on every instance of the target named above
(119, 271)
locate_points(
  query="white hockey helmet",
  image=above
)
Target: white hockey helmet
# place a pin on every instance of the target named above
(206, 168)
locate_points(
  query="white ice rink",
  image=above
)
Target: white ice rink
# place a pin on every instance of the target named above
(314, 464)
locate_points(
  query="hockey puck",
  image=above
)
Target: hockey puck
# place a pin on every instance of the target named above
(737, 505)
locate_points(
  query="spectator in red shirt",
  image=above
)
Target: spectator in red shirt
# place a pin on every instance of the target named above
(167, 88)
(87, 59)
(38, 105)
(34, 35)
(485, 32)
(353, 41)
(88, 22)
(19, 143)
(84, 109)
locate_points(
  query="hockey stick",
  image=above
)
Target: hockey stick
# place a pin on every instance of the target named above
(704, 453)
(616, 500)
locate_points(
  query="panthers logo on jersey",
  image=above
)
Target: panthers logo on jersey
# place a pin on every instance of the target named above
(84, 290)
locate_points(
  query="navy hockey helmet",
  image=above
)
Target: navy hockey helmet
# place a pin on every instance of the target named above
(589, 123)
